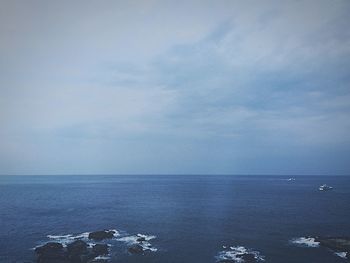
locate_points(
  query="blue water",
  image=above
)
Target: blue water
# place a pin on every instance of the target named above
(192, 216)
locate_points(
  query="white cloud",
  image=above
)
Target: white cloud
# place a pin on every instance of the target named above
(158, 81)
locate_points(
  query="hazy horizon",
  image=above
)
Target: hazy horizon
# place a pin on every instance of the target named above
(158, 87)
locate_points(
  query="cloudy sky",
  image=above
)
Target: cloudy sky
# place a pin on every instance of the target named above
(175, 87)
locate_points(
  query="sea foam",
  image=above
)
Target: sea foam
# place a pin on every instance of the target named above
(341, 254)
(236, 253)
(134, 239)
(305, 242)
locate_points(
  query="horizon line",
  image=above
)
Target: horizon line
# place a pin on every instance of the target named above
(174, 174)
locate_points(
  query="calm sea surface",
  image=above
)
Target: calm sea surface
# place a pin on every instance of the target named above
(192, 217)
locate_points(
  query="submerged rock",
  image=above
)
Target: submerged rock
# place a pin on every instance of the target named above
(141, 239)
(135, 249)
(100, 235)
(248, 258)
(99, 260)
(337, 244)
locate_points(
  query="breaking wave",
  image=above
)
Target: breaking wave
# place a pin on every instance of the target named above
(239, 254)
(140, 239)
(305, 242)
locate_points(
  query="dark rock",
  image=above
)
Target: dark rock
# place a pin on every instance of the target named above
(248, 258)
(135, 249)
(50, 248)
(100, 260)
(100, 235)
(53, 260)
(100, 249)
(51, 252)
(140, 239)
(78, 247)
(77, 251)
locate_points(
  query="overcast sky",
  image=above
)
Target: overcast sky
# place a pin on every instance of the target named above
(170, 87)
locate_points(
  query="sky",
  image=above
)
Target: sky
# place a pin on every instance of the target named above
(174, 87)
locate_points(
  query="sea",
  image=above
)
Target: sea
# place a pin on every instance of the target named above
(184, 218)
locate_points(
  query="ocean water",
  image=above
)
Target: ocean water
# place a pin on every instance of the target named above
(192, 218)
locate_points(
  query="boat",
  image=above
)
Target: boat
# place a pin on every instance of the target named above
(325, 187)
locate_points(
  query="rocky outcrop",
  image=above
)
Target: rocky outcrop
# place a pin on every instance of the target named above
(141, 239)
(75, 252)
(135, 249)
(51, 252)
(101, 235)
(337, 244)
(81, 248)
(98, 261)
(100, 249)
(248, 258)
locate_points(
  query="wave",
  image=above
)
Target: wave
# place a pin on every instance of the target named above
(140, 239)
(341, 254)
(305, 242)
(239, 254)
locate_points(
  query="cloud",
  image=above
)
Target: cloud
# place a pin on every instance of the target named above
(154, 87)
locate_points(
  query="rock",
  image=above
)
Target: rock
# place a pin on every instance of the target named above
(135, 249)
(337, 244)
(51, 247)
(100, 235)
(100, 249)
(51, 252)
(100, 260)
(141, 239)
(78, 247)
(248, 258)
(77, 251)
(53, 260)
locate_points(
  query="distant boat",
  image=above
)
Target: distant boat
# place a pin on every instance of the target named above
(325, 187)
(291, 179)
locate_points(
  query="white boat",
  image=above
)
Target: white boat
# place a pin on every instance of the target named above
(325, 187)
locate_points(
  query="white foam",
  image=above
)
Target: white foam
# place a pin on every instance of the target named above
(59, 237)
(90, 245)
(102, 257)
(148, 238)
(133, 239)
(84, 235)
(69, 238)
(341, 254)
(235, 254)
(305, 242)
(116, 232)
(128, 239)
